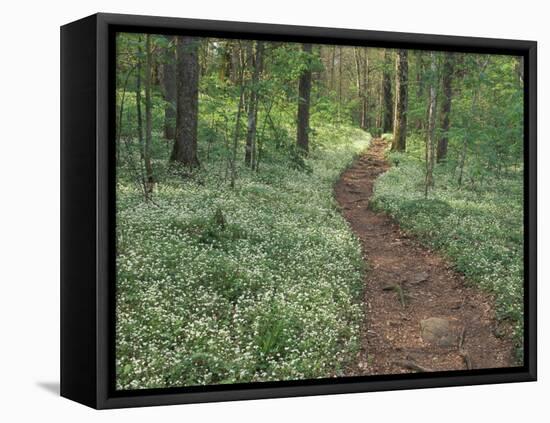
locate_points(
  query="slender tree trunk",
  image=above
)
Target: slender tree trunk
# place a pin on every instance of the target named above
(143, 180)
(339, 82)
(380, 108)
(361, 70)
(169, 90)
(399, 142)
(359, 84)
(237, 122)
(332, 66)
(138, 108)
(185, 147)
(447, 79)
(430, 139)
(304, 93)
(366, 81)
(250, 152)
(148, 114)
(420, 87)
(386, 86)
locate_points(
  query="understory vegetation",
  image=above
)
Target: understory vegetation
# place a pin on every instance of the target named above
(478, 225)
(257, 283)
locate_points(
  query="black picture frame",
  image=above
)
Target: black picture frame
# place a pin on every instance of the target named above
(87, 210)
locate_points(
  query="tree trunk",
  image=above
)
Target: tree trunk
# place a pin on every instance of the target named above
(420, 85)
(168, 83)
(366, 83)
(233, 162)
(447, 80)
(304, 92)
(359, 83)
(143, 180)
(138, 107)
(386, 86)
(430, 141)
(250, 152)
(380, 107)
(148, 114)
(399, 142)
(185, 147)
(361, 70)
(332, 65)
(339, 82)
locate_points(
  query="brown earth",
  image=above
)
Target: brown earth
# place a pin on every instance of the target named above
(420, 315)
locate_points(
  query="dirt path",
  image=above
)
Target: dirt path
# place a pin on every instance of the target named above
(420, 315)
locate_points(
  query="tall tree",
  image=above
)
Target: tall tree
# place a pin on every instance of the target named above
(148, 114)
(142, 146)
(187, 68)
(380, 104)
(420, 70)
(138, 106)
(169, 89)
(386, 87)
(447, 91)
(304, 93)
(430, 138)
(257, 64)
(340, 61)
(366, 86)
(233, 160)
(362, 83)
(399, 142)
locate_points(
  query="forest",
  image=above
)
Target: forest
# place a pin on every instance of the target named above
(235, 260)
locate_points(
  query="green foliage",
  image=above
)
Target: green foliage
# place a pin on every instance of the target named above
(486, 115)
(258, 283)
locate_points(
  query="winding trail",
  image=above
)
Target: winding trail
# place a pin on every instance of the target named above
(420, 314)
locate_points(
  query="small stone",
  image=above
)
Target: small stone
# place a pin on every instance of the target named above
(420, 277)
(436, 330)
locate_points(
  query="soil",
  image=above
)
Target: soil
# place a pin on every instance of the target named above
(409, 288)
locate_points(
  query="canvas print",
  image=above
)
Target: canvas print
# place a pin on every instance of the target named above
(290, 211)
